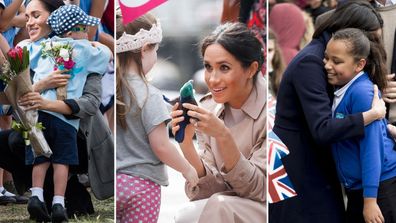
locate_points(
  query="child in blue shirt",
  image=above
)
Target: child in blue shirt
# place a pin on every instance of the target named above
(366, 165)
(69, 22)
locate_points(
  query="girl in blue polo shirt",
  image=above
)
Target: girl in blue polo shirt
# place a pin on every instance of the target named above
(366, 166)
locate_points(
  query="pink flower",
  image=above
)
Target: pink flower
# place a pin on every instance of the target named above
(69, 64)
(59, 60)
(12, 53)
(19, 51)
(15, 53)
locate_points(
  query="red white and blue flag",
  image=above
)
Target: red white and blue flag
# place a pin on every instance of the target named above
(132, 9)
(279, 184)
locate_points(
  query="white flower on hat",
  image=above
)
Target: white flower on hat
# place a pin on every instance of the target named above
(64, 53)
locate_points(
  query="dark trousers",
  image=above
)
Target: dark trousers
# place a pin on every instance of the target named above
(386, 200)
(354, 213)
(12, 158)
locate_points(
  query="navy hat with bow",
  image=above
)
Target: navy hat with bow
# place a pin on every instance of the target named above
(68, 16)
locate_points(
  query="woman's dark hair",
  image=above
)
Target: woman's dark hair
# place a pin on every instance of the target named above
(238, 40)
(51, 5)
(352, 14)
(369, 46)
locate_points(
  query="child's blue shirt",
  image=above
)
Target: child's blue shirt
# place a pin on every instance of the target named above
(363, 162)
(88, 60)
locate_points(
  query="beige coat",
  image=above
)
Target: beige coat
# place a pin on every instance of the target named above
(240, 194)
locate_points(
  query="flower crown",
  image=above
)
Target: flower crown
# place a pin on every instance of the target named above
(129, 42)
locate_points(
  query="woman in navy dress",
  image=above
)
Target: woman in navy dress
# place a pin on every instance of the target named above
(303, 122)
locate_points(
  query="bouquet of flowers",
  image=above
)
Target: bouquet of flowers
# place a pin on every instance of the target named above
(61, 54)
(15, 73)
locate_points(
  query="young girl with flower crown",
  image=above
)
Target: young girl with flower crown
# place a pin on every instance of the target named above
(143, 144)
(366, 166)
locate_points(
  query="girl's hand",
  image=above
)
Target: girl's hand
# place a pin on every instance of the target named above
(205, 121)
(378, 105)
(389, 94)
(177, 117)
(33, 100)
(191, 176)
(372, 212)
(58, 78)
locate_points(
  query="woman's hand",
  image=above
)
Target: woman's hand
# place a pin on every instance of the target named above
(378, 105)
(33, 100)
(205, 121)
(58, 78)
(371, 211)
(389, 94)
(377, 111)
(177, 117)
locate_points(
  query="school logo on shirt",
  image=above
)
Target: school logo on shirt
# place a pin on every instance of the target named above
(339, 115)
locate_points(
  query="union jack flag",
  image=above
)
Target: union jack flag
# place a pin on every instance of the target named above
(279, 184)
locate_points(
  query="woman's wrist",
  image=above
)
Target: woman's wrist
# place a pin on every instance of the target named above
(228, 149)
(224, 134)
(370, 116)
(47, 105)
(37, 87)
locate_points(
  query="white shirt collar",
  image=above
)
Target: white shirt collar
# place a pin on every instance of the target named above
(339, 94)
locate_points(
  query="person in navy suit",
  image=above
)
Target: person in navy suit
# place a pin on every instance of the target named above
(304, 123)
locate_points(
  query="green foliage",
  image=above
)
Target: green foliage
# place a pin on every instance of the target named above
(53, 49)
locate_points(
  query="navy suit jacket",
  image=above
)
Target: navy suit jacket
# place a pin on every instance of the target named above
(303, 122)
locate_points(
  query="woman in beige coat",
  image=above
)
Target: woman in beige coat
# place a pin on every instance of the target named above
(230, 124)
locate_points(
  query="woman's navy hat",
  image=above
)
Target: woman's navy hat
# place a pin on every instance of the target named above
(68, 16)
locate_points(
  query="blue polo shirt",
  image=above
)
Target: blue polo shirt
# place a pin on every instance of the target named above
(88, 60)
(363, 162)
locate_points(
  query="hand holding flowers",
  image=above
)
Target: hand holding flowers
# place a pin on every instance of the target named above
(61, 54)
(16, 75)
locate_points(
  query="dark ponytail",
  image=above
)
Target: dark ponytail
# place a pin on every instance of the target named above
(376, 61)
